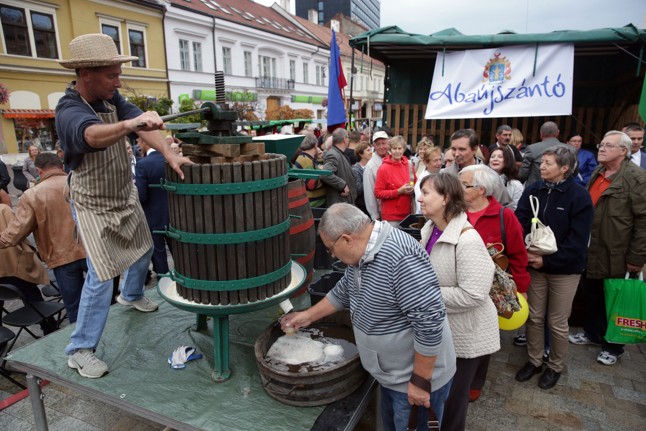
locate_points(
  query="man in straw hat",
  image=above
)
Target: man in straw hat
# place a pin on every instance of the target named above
(92, 122)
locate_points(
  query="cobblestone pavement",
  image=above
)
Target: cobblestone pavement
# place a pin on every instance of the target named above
(589, 396)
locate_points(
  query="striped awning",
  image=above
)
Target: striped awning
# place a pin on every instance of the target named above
(28, 113)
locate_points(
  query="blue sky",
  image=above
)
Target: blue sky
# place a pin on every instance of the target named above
(521, 16)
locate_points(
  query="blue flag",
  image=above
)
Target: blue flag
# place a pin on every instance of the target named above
(335, 108)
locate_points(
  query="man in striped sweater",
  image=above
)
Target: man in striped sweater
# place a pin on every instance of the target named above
(398, 316)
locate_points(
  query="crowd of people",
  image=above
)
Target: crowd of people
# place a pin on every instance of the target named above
(474, 196)
(425, 324)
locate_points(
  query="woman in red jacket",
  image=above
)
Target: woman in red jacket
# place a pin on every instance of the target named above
(394, 183)
(495, 224)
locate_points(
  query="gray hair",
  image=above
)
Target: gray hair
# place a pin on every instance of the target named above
(624, 140)
(564, 156)
(503, 128)
(483, 177)
(309, 142)
(338, 136)
(342, 218)
(549, 129)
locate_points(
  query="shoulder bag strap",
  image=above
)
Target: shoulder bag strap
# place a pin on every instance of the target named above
(432, 422)
(502, 227)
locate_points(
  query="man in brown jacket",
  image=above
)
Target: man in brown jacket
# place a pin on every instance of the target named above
(618, 241)
(44, 211)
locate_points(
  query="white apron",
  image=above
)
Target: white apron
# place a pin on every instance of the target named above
(111, 221)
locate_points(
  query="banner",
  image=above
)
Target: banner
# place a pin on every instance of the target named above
(511, 81)
(335, 105)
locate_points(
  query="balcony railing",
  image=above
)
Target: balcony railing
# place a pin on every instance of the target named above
(277, 83)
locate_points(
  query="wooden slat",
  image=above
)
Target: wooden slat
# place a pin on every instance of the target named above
(398, 126)
(414, 128)
(404, 130)
(225, 150)
(252, 149)
(238, 221)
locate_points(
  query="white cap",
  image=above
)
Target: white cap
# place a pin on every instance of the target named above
(379, 135)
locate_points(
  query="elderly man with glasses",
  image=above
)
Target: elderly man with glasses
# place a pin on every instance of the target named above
(618, 241)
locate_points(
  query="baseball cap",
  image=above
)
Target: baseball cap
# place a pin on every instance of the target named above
(379, 135)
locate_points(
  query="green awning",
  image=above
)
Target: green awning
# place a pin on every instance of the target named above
(391, 43)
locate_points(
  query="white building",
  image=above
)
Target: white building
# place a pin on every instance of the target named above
(264, 56)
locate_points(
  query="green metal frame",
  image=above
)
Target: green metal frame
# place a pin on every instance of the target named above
(223, 189)
(220, 315)
(224, 238)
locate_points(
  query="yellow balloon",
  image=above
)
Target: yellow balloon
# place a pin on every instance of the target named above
(518, 319)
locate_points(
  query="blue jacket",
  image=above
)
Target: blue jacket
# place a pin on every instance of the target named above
(587, 163)
(567, 209)
(154, 200)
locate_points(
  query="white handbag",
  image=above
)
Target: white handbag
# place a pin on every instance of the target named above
(541, 239)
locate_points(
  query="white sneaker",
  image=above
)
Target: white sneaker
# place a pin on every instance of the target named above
(580, 339)
(87, 364)
(144, 304)
(607, 358)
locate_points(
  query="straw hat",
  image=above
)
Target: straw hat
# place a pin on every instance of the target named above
(94, 50)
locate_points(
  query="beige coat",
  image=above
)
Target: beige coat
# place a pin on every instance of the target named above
(465, 271)
(44, 211)
(19, 261)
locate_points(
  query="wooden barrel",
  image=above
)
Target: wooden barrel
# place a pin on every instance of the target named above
(229, 227)
(302, 234)
(314, 388)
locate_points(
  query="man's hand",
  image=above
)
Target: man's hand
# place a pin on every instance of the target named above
(418, 396)
(176, 161)
(346, 191)
(632, 268)
(295, 320)
(147, 122)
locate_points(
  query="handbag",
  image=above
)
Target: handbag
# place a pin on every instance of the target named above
(626, 309)
(503, 287)
(541, 239)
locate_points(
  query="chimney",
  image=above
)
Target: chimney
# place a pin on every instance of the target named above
(287, 5)
(313, 16)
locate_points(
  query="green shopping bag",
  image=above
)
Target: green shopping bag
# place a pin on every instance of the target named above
(626, 310)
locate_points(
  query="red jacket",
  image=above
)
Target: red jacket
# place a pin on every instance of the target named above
(390, 177)
(488, 226)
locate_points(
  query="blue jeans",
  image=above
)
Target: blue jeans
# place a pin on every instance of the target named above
(95, 301)
(395, 408)
(70, 278)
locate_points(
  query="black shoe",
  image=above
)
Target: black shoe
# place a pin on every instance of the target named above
(528, 371)
(548, 379)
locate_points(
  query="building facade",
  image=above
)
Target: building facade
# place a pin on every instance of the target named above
(367, 12)
(36, 34)
(267, 61)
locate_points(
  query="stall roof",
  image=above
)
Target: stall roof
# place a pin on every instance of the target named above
(392, 43)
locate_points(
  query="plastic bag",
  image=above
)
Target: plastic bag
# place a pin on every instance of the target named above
(626, 310)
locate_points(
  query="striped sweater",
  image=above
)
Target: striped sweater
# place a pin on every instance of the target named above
(396, 307)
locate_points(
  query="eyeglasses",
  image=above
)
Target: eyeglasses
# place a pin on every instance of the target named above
(330, 249)
(469, 186)
(608, 146)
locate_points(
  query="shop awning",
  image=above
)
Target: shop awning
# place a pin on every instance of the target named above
(28, 113)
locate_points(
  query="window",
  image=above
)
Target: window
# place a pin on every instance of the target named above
(306, 75)
(226, 60)
(321, 18)
(44, 35)
(320, 75)
(113, 32)
(27, 32)
(247, 64)
(320, 5)
(184, 55)
(292, 70)
(197, 56)
(137, 47)
(267, 66)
